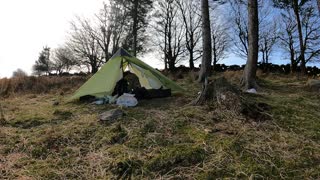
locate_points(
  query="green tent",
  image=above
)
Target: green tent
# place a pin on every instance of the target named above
(104, 81)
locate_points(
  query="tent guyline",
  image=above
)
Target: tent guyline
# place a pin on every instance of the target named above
(103, 82)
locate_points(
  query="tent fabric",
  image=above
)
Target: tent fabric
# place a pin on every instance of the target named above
(167, 83)
(104, 81)
(146, 78)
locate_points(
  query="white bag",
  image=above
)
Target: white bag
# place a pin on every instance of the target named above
(252, 91)
(127, 100)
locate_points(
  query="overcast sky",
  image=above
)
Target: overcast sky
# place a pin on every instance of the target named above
(28, 25)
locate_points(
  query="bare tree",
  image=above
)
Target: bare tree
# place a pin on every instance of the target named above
(168, 31)
(287, 40)
(119, 25)
(220, 40)
(111, 27)
(19, 73)
(249, 76)
(103, 32)
(239, 25)
(190, 14)
(290, 38)
(63, 60)
(85, 45)
(297, 7)
(138, 13)
(311, 30)
(239, 19)
(267, 39)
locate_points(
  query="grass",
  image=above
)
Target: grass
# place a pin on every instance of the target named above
(163, 138)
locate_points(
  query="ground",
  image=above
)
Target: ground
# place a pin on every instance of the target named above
(164, 138)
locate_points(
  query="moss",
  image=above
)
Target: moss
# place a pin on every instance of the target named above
(28, 123)
(195, 134)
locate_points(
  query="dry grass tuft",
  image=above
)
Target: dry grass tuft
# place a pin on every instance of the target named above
(233, 76)
(43, 84)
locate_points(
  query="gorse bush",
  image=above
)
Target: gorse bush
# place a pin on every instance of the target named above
(41, 84)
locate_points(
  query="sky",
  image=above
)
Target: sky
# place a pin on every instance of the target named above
(29, 25)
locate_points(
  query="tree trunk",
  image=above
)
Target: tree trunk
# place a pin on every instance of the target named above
(207, 53)
(135, 28)
(94, 69)
(165, 63)
(292, 58)
(263, 58)
(171, 63)
(191, 51)
(191, 63)
(106, 45)
(249, 76)
(206, 42)
(215, 58)
(205, 94)
(302, 49)
(165, 59)
(165, 46)
(106, 52)
(293, 67)
(94, 65)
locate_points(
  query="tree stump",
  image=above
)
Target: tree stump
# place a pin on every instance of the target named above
(227, 97)
(219, 91)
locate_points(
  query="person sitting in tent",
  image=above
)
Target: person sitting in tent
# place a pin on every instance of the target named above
(121, 87)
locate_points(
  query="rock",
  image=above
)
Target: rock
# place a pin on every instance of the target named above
(111, 115)
(314, 84)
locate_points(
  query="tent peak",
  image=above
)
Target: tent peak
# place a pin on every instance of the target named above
(121, 52)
